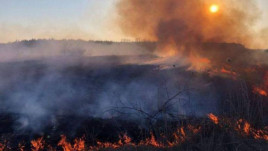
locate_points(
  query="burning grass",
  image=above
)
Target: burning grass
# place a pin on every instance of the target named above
(210, 133)
(259, 91)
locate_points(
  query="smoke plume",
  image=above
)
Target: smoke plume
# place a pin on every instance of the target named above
(189, 29)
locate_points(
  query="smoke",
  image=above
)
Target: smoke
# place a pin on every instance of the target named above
(188, 22)
(44, 49)
(188, 30)
(45, 79)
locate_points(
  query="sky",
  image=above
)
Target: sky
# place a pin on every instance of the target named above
(69, 19)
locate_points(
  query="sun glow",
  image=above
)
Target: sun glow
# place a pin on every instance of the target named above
(214, 8)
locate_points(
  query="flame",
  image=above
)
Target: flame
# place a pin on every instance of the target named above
(179, 136)
(126, 139)
(247, 128)
(182, 134)
(65, 145)
(199, 63)
(107, 145)
(259, 91)
(223, 70)
(214, 118)
(78, 146)
(260, 134)
(244, 127)
(37, 144)
(151, 141)
(123, 140)
(194, 129)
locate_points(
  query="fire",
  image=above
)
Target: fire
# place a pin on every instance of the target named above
(107, 145)
(223, 70)
(151, 141)
(65, 145)
(260, 134)
(78, 146)
(214, 8)
(181, 135)
(194, 129)
(199, 63)
(246, 129)
(37, 144)
(126, 139)
(213, 118)
(260, 91)
(123, 140)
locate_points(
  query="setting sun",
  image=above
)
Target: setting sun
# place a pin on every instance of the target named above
(214, 8)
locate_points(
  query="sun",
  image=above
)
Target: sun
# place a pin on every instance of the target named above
(214, 8)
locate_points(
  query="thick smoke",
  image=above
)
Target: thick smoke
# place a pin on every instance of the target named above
(188, 22)
(187, 28)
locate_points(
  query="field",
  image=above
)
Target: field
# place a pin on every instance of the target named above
(120, 96)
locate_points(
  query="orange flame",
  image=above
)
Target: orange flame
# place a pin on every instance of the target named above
(194, 129)
(127, 140)
(214, 118)
(124, 140)
(65, 145)
(181, 135)
(260, 91)
(223, 70)
(107, 145)
(37, 144)
(199, 63)
(151, 141)
(79, 144)
(248, 130)
(260, 134)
